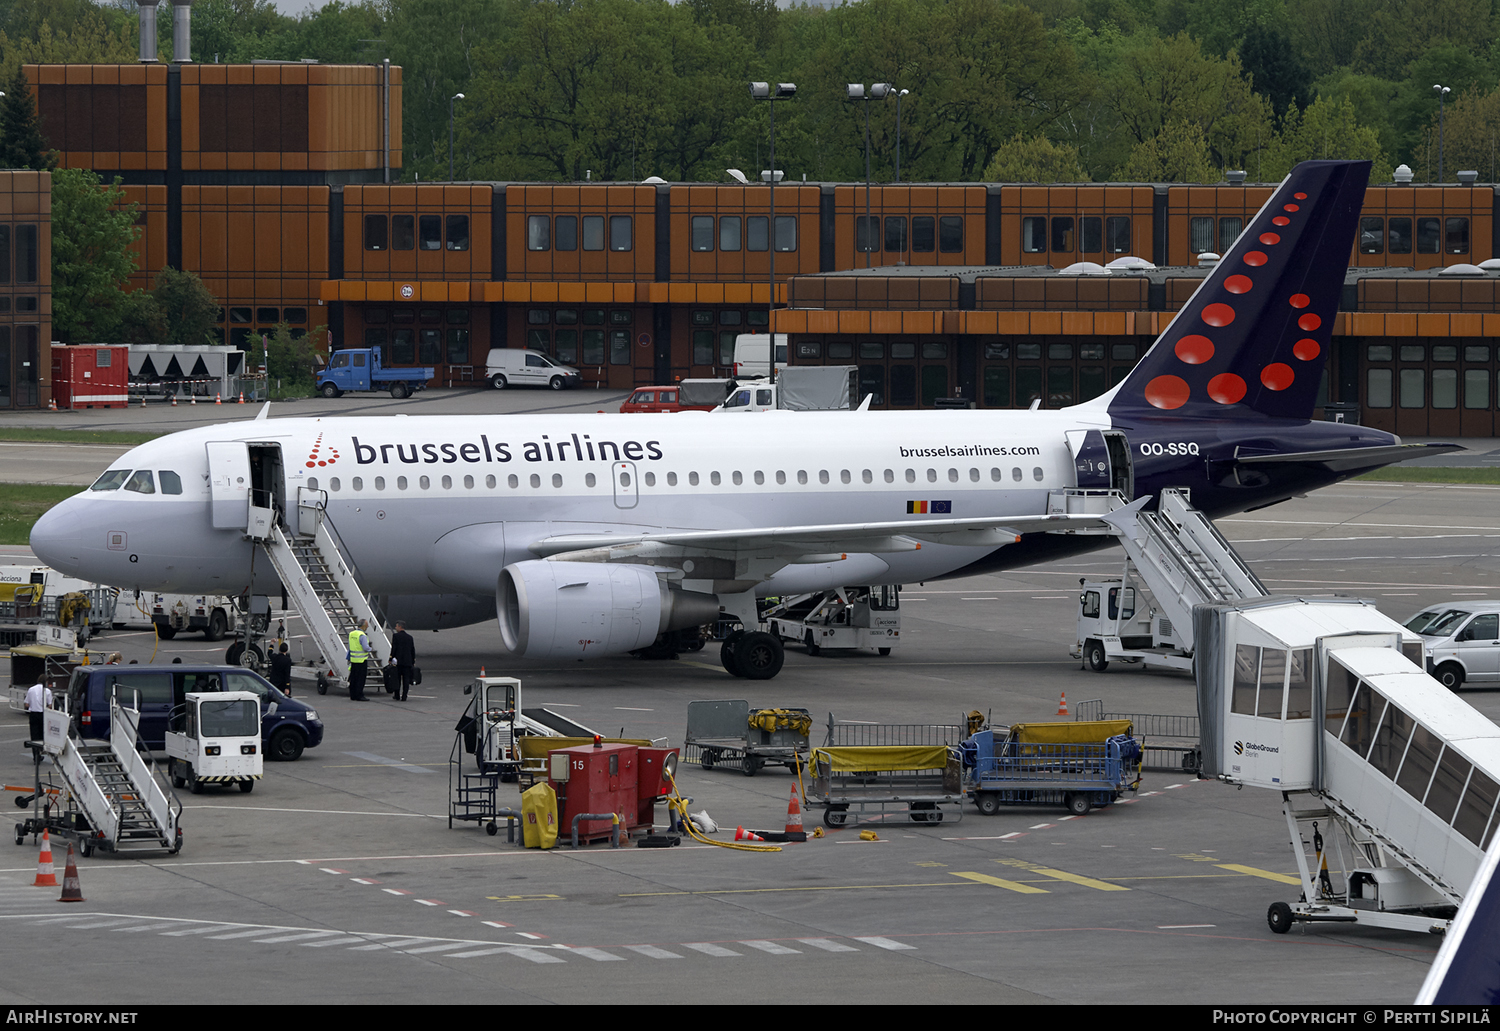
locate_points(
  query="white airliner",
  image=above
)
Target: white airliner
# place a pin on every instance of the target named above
(594, 534)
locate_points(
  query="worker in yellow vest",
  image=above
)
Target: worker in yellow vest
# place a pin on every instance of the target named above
(359, 657)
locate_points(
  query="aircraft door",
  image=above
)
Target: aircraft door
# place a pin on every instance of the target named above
(1090, 459)
(229, 483)
(1121, 469)
(627, 491)
(267, 486)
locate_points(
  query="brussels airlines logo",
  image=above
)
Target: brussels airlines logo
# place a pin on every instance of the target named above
(313, 461)
(571, 448)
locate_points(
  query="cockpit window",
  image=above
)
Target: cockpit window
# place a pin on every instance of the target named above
(111, 480)
(171, 483)
(141, 482)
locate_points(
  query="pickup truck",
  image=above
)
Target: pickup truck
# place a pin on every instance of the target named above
(798, 388)
(689, 395)
(360, 369)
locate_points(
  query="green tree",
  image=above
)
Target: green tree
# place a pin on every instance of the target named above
(21, 141)
(1177, 154)
(1327, 129)
(93, 228)
(1037, 160)
(189, 310)
(65, 33)
(291, 361)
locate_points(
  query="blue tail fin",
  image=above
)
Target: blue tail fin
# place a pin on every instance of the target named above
(1255, 337)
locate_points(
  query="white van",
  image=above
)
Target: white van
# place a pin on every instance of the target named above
(1462, 641)
(752, 354)
(518, 367)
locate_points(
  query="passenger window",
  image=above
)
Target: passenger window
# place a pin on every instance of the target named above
(1398, 238)
(458, 232)
(403, 232)
(358, 360)
(1062, 235)
(951, 234)
(703, 232)
(1091, 603)
(1484, 628)
(864, 232)
(1034, 235)
(153, 688)
(566, 237)
(375, 233)
(171, 483)
(729, 233)
(593, 232)
(432, 232)
(620, 232)
(111, 480)
(762, 397)
(141, 482)
(1091, 240)
(1118, 229)
(895, 234)
(923, 234)
(1372, 236)
(1428, 235)
(538, 233)
(786, 233)
(1456, 236)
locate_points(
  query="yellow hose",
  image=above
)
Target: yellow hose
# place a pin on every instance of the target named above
(679, 805)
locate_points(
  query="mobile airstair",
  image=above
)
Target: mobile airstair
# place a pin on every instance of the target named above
(319, 577)
(1175, 559)
(1389, 781)
(112, 796)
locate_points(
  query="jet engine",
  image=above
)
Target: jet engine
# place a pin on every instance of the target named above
(552, 609)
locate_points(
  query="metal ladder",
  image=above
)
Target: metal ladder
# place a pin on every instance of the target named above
(319, 578)
(1183, 559)
(119, 791)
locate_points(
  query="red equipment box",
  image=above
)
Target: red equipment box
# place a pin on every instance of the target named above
(599, 779)
(91, 376)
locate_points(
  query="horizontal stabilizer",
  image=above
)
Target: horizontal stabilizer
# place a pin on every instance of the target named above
(1345, 459)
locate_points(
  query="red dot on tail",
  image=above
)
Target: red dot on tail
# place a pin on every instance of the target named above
(1290, 207)
(1269, 239)
(1281, 220)
(1307, 349)
(1300, 301)
(1167, 392)
(1300, 196)
(1309, 322)
(1278, 376)
(1195, 349)
(1238, 284)
(1256, 258)
(1219, 315)
(312, 465)
(1226, 388)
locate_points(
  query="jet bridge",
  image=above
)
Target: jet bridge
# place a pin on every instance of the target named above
(1389, 781)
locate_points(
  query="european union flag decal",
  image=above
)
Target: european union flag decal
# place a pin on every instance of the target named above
(942, 507)
(926, 507)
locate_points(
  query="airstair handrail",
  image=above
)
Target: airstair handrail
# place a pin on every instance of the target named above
(141, 769)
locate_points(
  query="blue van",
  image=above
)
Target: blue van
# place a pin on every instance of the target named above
(287, 726)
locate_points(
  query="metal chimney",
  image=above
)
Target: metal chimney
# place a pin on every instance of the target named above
(147, 19)
(182, 32)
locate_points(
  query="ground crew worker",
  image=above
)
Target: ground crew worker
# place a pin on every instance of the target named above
(359, 656)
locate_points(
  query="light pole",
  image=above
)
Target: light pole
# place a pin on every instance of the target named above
(856, 91)
(898, 132)
(456, 96)
(765, 91)
(1442, 95)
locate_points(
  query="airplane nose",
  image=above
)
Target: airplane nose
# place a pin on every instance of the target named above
(55, 538)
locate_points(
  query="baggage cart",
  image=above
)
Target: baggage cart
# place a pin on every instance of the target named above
(729, 731)
(907, 783)
(1076, 765)
(1170, 742)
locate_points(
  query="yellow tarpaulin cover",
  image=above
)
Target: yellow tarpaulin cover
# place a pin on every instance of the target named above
(772, 720)
(539, 816)
(1086, 732)
(874, 758)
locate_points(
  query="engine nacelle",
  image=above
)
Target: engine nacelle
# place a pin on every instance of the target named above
(558, 609)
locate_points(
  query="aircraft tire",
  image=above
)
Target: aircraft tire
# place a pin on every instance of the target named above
(759, 656)
(727, 653)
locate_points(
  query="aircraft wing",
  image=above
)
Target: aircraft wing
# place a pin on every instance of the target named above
(1344, 459)
(903, 535)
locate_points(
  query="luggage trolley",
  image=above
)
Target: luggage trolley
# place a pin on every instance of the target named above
(730, 731)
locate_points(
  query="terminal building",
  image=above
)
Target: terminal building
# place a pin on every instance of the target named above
(274, 183)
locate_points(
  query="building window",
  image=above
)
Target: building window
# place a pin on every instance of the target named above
(593, 232)
(375, 232)
(864, 232)
(4, 254)
(1456, 236)
(703, 347)
(294, 316)
(268, 316)
(566, 237)
(565, 346)
(786, 233)
(1091, 235)
(730, 317)
(951, 234)
(538, 317)
(997, 386)
(1200, 234)
(1398, 235)
(538, 233)
(757, 233)
(1118, 230)
(1229, 231)
(403, 232)
(1476, 388)
(431, 227)
(1413, 388)
(895, 234)
(1428, 235)
(458, 232)
(703, 232)
(1062, 235)
(1372, 236)
(593, 347)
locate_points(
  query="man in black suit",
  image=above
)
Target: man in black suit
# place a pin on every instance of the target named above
(280, 675)
(404, 651)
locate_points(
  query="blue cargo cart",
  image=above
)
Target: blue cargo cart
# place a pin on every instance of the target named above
(1076, 765)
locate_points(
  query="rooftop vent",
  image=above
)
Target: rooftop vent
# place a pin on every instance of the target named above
(1208, 259)
(1234, 178)
(1402, 174)
(1468, 178)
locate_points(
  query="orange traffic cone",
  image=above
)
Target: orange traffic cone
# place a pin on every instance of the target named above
(192, 399)
(45, 878)
(51, 404)
(174, 400)
(242, 397)
(1062, 704)
(143, 400)
(217, 397)
(740, 834)
(71, 890)
(794, 814)
(481, 672)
